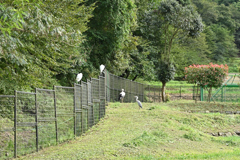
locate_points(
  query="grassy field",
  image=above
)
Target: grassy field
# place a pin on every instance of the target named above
(170, 84)
(158, 131)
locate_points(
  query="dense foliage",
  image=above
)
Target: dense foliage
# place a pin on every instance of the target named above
(48, 42)
(41, 43)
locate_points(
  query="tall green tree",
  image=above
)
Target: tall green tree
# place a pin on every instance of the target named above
(222, 43)
(110, 27)
(163, 25)
(218, 15)
(46, 42)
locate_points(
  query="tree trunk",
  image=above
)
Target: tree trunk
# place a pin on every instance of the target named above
(163, 91)
(209, 94)
(196, 96)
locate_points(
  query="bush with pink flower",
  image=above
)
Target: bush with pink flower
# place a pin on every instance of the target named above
(207, 76)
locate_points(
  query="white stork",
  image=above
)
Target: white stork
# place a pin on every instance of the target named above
(122, 95)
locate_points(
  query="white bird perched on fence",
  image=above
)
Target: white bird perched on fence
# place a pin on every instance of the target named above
(139, 103)
(102, 67)
(122, 95)
(79, 77)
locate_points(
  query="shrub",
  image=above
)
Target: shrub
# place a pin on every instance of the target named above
(206, 76)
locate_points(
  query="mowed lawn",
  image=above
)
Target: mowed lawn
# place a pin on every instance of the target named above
(158, 131)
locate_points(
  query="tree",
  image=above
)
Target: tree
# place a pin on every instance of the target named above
(208, 10)
(109, 29)
(220, 42)
(190, 51)
(46, 44)
(206, 76)
(166, 73)
(166, 22)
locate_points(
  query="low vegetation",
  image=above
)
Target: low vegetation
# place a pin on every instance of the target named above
(158, 131)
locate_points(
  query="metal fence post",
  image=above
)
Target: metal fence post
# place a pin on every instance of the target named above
(74, 110)
(15, 125)
(81, 106)
(36, 119)
(99, 111)
(55, 113)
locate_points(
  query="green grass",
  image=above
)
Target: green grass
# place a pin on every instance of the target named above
(158, 131)
(171, 83)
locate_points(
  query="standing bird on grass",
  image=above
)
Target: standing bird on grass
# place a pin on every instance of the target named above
(122, 95)
(139, 103)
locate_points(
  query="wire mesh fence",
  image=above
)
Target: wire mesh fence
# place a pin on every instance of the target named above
(25, 123)
(6, 126)
(65, 113)
(31, 121)
(228, 92)
(145, 93)
(115, 84)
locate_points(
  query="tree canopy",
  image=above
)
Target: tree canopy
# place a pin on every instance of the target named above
(48, 42)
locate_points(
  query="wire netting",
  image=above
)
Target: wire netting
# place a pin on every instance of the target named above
(152, 93)
(32, 121)
(90, 104)
(183, 92)
(47, 118)
(102, 91)
(226, 93)
(84, 107)
(78, 110)
(25, 123)
(6, 126)
(64, 112)
(107, 81)
(115, 84)
(96, 99)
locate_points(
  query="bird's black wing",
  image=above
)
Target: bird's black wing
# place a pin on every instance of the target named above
(120, 96)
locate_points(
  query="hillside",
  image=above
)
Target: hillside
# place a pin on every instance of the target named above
(158, 131)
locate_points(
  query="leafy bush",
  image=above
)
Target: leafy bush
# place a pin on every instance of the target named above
(206, 76)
